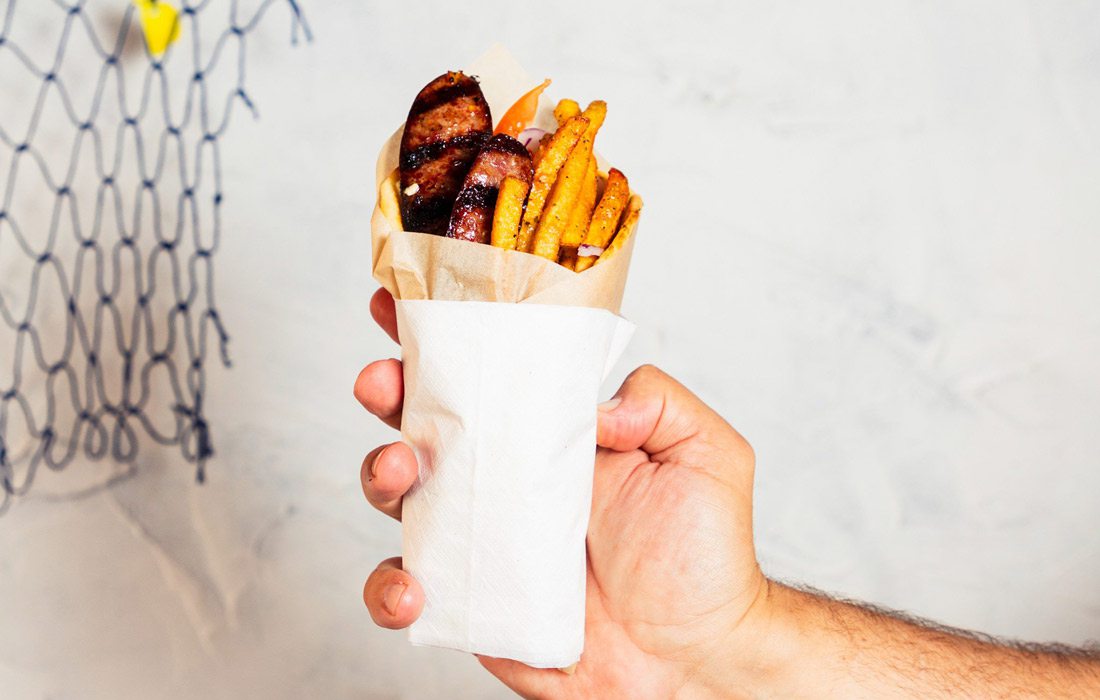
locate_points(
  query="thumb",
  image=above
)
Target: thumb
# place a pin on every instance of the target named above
(654, 412)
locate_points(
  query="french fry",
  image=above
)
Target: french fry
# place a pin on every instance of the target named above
(582, 213)
(605, 219)
(564, 196)
(560, 145)
(569, 259)
(595, 113)
(633, 209)
(508, 212)
(553, 223)
(566, 110)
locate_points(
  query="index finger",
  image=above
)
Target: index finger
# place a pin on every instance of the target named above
(384, 312)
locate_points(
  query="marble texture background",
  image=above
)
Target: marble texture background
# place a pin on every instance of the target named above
(871, 242)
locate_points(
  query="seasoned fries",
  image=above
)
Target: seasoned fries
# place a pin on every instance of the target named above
(554, 222)
(605, 219)
(595, 113)
(582, 212)
(633, 209)
(561, 144)
(566, 110)
(508, 212)
(566, 192)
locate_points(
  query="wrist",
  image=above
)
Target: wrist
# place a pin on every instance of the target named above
(746, 660)
(758, 656)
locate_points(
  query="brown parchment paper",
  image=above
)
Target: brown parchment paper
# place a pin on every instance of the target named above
(422, 266)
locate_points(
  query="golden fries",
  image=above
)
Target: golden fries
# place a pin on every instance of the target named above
(564, 197)
(605, 220)
(561, 145)
(508, 212)
(582, 213)
(566, 110)
(595, 113)
(633, 209)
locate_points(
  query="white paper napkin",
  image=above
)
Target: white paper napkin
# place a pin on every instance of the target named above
(500, 408)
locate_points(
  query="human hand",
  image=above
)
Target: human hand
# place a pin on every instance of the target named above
(672, 572)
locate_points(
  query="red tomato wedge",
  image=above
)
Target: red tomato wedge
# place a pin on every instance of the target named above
(521, 113)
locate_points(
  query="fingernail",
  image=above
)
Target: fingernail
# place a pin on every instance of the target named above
(610, 405)
(375, 461)
(391, 597)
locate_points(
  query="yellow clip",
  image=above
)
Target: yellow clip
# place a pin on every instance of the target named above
(160, 23)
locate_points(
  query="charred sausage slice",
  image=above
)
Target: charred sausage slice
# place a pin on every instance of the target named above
(448, 124)
(472, 217)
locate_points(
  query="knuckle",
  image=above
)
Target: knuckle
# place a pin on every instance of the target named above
(740, 448)
(646, 373)
(746, 451)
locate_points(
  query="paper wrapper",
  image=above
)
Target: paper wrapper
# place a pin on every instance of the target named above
(504, 354)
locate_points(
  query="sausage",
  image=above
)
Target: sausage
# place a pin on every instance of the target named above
(448, 124)
(472, 217)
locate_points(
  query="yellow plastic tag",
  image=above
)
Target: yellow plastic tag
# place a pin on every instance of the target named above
(160, 23)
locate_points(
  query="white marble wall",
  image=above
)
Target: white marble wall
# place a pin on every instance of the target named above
(871, 241)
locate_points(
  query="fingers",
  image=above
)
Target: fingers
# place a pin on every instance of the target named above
(393, 597)
(654, 412)
(380, 387)
(384, 312)
(387, 473)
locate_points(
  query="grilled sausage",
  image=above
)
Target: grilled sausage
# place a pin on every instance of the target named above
(448, 124)
(472, 217)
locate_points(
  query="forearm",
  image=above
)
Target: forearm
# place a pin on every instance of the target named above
(807, 645)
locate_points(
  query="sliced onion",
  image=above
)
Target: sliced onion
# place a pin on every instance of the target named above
(590, 251)
(531, 137)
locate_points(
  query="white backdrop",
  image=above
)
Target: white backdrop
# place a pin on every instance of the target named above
(870, 241)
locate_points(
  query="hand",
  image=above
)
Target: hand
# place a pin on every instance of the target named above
(672, 573)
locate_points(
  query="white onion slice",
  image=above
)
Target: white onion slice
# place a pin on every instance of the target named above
(589, 250)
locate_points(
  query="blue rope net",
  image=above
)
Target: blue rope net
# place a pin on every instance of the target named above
(109, 225)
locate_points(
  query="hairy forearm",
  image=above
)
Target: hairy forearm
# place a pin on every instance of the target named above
(807, 645)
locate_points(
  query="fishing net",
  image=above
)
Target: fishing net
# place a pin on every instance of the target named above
(111, 122)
